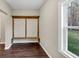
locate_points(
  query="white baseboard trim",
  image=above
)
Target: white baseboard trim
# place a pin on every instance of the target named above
(68, 54)
(2, 42)
(6, 48)
(24, 41)
(45, 51)
(27, 42)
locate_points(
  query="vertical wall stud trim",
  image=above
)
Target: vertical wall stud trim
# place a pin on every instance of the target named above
(25, 27)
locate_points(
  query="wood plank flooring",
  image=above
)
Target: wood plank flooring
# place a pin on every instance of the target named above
(2, 47)
(29, 50)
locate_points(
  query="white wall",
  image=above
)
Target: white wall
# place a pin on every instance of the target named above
(49, 28)
(2, 28)
(25, 12)
(8, 32)
(8, 23)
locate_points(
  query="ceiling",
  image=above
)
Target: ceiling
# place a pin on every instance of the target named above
(25, 4)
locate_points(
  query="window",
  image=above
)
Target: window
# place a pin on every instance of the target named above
(73, 27)
(69, 28)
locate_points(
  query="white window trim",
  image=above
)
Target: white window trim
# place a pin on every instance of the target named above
(63, 50)
(73, 27)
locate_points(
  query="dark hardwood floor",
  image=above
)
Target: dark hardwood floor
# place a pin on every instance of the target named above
(2, 47)
(30, 50)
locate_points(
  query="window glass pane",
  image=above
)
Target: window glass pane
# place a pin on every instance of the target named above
(73, 14)
(73, 41)
(19, 28)
(31, 27)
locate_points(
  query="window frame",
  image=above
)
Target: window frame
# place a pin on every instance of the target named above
(62, 42)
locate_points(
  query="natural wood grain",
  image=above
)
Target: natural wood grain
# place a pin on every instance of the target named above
(25, 17)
